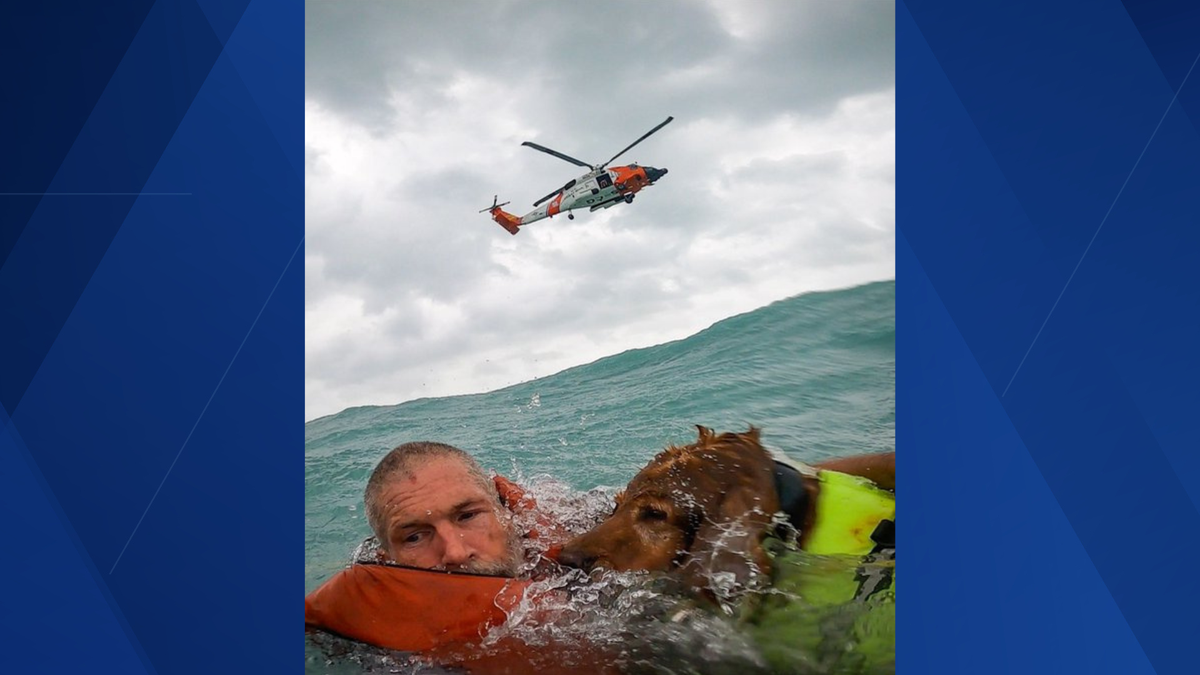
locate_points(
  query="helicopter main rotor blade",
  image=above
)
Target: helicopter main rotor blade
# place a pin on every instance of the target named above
(557, 154)
(539, 202)
(644, 137)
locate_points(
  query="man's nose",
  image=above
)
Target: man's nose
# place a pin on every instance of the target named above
(456, 552)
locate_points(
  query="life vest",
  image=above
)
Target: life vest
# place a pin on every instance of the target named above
(853, 515)
(412, 609)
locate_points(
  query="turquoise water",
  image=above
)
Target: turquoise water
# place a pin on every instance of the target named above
(815, 372)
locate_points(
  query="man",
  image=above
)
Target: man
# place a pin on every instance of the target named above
(431, 506)
(449, 547)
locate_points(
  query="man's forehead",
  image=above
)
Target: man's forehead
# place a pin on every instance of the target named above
(434, 481)
(431, 464)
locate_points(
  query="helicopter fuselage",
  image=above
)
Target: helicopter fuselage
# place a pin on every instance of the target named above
(597, 189)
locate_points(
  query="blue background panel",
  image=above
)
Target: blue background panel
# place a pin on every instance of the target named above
(151, 366)
(1048, 195)
(981, 603)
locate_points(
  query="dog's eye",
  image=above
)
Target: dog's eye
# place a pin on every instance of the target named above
(651, 514)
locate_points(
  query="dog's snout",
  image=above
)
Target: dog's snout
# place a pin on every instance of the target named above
(578, 558)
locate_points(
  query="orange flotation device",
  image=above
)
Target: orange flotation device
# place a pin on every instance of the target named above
(412, 609)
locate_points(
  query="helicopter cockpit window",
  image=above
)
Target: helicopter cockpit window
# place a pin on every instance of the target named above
(603, 181)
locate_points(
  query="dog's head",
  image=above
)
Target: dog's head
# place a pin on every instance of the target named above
(700, 509)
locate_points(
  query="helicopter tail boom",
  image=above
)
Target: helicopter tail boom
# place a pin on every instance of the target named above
(506, 220)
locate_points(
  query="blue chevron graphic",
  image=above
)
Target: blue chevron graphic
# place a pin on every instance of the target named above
(1046, 203)
(149, 319)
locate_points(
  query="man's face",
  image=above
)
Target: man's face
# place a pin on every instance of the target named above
(440, 517)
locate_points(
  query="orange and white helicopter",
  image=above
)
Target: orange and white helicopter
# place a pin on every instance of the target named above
(599, 188)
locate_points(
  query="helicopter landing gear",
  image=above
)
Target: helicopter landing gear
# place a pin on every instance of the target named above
(570, 216)
(628, 199)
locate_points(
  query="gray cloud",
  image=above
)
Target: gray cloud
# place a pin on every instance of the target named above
(616, 63)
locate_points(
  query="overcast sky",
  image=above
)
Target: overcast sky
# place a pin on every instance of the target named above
(781, 159)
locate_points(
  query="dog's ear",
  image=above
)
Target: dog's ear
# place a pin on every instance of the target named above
(705, 436)
(728, 542)
(746, 440)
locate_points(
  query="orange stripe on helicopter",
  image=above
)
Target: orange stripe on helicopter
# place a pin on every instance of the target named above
(553, 207)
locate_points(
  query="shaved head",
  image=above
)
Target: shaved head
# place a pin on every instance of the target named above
(400, 463)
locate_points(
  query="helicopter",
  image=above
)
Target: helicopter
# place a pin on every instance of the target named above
(600, 188)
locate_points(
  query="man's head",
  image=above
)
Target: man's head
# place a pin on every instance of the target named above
(431, 506)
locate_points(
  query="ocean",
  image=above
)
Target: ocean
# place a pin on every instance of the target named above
(815, 372)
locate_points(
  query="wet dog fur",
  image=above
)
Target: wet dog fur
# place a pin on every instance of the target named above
(696, 510)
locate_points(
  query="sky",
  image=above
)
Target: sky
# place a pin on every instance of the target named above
(781, 179)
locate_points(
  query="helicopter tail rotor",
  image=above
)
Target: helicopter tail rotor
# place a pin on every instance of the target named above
(494, 205)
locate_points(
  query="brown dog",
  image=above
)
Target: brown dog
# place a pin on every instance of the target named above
(705, 508)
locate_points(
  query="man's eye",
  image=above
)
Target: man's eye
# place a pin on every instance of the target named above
(651, 514)
(413, 538)
(464, 517)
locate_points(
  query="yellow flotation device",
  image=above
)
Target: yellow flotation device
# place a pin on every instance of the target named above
(851, 514)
